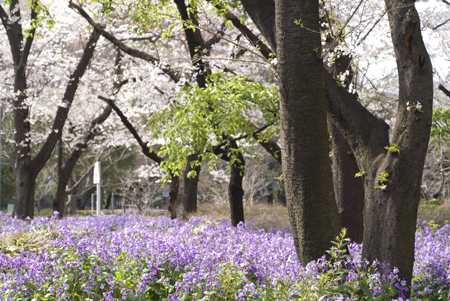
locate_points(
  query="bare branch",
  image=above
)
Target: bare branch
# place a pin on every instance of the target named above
(256, 132)
(370, 30)
(441, 24)
(133, 131)
(443, 89)
(216, 38)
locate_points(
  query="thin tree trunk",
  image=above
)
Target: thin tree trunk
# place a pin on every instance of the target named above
(172, 200)
(27, 169)
(190, 186)
(65, 173)
(235, 191)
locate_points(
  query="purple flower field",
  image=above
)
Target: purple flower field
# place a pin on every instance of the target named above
(135, 257)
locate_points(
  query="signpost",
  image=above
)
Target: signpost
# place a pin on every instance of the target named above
(97, 180)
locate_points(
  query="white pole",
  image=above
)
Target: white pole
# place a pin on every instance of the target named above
(99, 192)
(97, 180)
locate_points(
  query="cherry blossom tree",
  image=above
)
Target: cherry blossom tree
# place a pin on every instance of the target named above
(27, 79)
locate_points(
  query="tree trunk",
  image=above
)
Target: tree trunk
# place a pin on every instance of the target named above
(306, 170)
(25, 188)
(27, 169)
(172, 200)
(348, 189)
(235, 191)
(390, 215)
(71, 204)
(64, 173)
(190, 187)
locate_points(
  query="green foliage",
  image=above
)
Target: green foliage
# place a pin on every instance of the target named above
(440, 128)
(360, 174)
(203, 118)
(144, 15)
(393, 149)
(382, 180)
(43, 17)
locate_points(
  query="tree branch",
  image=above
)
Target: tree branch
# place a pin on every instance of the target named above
(133, 131)
(443, 89)
(61, 115)
(360, 127)
(131, 51)
(441, 24)
(262, 12)
(28, 41)
(255, 133)
(216, 38)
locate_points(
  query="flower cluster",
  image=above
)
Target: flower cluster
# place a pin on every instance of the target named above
(133, 257)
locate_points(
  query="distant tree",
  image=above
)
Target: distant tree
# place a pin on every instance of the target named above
(30, 161)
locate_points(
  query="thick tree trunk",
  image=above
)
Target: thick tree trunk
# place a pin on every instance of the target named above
(306, 170)
(390, 215)
(25, 189)
(348, 189)
(190, 187)
(235, 191)
(173, 195)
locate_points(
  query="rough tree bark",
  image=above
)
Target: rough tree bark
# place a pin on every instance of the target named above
(173, 194)
(235, 190)
(306, 169)
(389, 215)
(348, 189)
(236, 193)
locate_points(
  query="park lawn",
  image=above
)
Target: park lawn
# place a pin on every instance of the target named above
(133, 257)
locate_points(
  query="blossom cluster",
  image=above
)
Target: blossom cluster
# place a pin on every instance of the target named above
(133, 257)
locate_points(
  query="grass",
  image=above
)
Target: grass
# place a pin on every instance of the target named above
(435, 211)
(264, 215)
